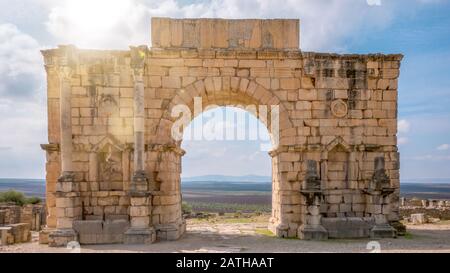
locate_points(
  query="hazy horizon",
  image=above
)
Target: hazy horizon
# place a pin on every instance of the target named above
(237, 177)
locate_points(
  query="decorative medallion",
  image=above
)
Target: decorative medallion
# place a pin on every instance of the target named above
(339, 108)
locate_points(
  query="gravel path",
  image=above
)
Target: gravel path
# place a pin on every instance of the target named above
(252, 237)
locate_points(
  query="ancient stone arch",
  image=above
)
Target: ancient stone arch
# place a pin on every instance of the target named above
(113, 163)
(240, 92)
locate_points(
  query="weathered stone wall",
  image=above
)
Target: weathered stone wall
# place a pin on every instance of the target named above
(337, 111)
(15, 234)
(34, 215)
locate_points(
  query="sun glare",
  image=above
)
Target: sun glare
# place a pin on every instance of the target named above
(89, 21)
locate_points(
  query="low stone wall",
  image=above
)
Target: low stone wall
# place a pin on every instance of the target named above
(101, 232)
(2, 217)
(348, 227)
(34, 215)
(15, 233)
(430, 210)
(425, 203)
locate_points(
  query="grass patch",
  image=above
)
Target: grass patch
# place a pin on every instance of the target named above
(443, 222)
(289, 238)
(264, 232)
(237, 220)
(232, 218)
(408, 236)
(228, 207)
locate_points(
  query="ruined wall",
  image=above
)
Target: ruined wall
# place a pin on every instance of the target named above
(32, 215)
(339, 111)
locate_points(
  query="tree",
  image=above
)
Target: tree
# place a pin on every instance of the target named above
(17, 198)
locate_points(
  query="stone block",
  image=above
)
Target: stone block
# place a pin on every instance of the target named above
(88, 227)
(418, 218)
(223, 33)
(347, 227)
(289, 83)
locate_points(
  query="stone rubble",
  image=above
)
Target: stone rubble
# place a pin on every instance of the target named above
(17, 222)
(420, 211)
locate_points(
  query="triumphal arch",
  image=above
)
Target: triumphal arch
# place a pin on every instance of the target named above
(113, 163)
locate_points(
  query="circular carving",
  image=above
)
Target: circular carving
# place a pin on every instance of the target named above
(339, 108)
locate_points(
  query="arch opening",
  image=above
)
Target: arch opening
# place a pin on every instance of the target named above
(226, 171)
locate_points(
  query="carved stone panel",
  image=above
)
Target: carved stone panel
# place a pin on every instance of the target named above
(107, 165)
(110, 168)
(339, 108)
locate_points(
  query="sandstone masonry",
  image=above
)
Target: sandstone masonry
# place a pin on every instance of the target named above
(113, 168)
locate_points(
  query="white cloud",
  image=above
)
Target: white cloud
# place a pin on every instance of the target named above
(430, 157)
(404, 126)
(374, 2)
(117, 23)
(443, 147)
(20, 62)
(402, 140)
(22, 106)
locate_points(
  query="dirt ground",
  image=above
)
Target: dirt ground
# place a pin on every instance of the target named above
(251, 235)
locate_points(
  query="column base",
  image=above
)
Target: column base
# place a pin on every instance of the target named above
(44, 235)
(61, 237)
(310, 232)
(139, 236)
(171, 232)
(280, 230)
(383, 231)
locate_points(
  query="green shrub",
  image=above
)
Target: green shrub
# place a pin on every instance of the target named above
(12, 196)
(238, 214)
(33, 200)
(186, 208)
(17, 198)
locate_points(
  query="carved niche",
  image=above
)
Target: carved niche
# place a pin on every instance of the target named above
(338, 165)
(312, 179)
(109, 165)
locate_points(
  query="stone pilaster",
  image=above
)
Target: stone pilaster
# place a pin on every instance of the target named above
(65, 73)
(311, 228)
(140, 179)
(378, 192)
(68, 203)
(141, 230)
(168, 219)
(283, 197)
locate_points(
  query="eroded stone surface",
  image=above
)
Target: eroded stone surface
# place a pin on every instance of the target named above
(111, 150)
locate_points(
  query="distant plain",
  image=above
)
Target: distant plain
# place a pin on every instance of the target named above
(249, 195)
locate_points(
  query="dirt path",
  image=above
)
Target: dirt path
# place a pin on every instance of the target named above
(254, 237)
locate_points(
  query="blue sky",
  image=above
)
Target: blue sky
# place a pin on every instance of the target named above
(420, 29)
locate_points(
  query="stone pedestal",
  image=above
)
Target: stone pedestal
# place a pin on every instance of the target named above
(383, 231)
(141, 230)
(310, 232)
(280, 230)
(312, 229)
(171, 232)
(61, 237)
(44, 235)
(137, 235)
